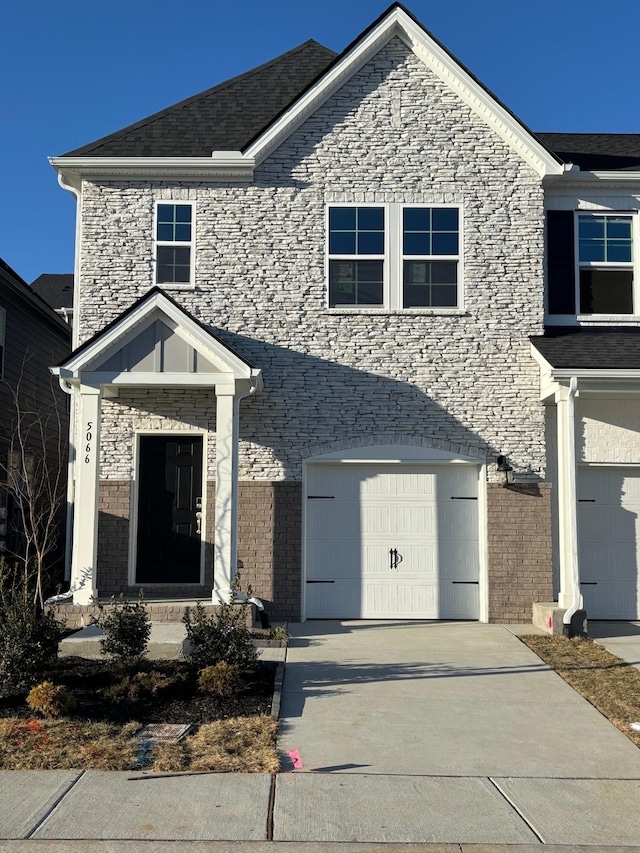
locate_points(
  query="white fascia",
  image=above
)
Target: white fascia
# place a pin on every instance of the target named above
(222, 165)
(575, 179)
(398, 23)
(551, 378)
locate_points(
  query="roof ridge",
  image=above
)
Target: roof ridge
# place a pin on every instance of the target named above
(225, 84)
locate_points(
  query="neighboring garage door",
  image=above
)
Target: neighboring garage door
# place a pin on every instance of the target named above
(609, 533)
(392, 541)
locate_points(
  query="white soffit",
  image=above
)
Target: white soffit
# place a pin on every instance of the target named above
(440, 62)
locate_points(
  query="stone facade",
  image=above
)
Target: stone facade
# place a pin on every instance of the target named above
(260, 277)
(393, 134)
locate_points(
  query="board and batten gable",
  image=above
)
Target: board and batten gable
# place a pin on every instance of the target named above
(393, 134)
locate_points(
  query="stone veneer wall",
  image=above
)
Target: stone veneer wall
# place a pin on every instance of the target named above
(519, 550)
(393, 134)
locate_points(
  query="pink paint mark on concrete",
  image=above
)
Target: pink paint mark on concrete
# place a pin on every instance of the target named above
(294, 755)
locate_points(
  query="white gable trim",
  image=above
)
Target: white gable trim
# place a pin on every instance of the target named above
(222, 165)
(398, 23)
(133, 322)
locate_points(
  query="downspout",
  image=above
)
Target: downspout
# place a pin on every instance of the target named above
(76, 191)
(577, 603)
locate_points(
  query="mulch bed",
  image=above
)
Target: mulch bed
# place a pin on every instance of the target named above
(176, 699)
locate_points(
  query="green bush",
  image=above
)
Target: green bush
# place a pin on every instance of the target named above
(29, 635)
(222, 637)
(126, 627)
(141, 686)
(50, 700)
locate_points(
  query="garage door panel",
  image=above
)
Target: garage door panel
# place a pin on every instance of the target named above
(611, 600)
(371, 509)
(609, 541)
(458, 519)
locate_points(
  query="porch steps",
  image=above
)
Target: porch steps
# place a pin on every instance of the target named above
(168, 641)
(548, 616)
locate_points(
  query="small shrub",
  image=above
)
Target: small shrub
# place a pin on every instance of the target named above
(140, 686)
(126, 627)
(50, 700)
(29, 635)
(223, 679)
(224, 637)
(280, 635)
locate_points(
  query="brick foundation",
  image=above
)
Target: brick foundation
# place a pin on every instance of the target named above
(519, 550)
(269, 545)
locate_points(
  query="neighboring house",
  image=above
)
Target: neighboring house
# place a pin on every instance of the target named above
(32, 337)
(312, 312)
(57, 291)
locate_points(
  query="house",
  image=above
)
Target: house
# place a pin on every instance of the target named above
(324, 313)
(32, 337)
(57, 291)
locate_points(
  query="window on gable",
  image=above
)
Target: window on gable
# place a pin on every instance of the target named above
(394, 256)
(429, 236)
(174, 244)
(356, 256)
(592, 265)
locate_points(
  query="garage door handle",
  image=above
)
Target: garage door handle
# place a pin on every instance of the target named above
(320, 497)
(395, 558)
(588, 583)
(586, 500)
(320, 581)
(471, 582)
(463, 499)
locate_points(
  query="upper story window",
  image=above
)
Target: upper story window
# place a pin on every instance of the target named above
(394, 256)
(605, 261)
(174, 244)
(592, 265)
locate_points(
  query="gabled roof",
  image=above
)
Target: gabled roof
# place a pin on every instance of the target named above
(599, 348)
(55, 288)
(131, 321)
(9, 278)
(223, 118)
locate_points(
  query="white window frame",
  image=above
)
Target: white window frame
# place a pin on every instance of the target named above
(393, 259)
(183, 244)
(634, 265)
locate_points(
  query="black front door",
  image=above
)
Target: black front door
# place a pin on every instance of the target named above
(169, 509)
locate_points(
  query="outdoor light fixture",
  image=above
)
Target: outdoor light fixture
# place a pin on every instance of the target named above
(505, 471)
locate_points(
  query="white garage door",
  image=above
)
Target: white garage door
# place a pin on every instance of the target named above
(609, 533)
(392, 541)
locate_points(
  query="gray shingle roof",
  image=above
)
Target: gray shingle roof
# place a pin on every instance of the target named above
(223, 118)
(596, 151)
(604, 349)
(55, 288)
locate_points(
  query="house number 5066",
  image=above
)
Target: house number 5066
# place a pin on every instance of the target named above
(88, 439)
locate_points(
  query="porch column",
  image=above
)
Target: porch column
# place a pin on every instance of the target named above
(85, 521)
(567, 498)
(226, 520)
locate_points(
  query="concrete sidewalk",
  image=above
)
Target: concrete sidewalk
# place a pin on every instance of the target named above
(414, 737)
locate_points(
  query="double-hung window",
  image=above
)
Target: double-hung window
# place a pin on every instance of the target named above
(174, 243)
(606, 263)
(394, 256)
(593, 265)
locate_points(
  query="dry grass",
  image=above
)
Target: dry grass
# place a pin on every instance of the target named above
(611, 685)
(240, 744)
(65, 744)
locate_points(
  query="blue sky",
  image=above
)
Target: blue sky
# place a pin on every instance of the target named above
(74, 72)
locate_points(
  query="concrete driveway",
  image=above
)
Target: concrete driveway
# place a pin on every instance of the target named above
(439, 699)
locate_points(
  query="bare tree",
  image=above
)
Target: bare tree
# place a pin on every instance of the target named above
(34, 472)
